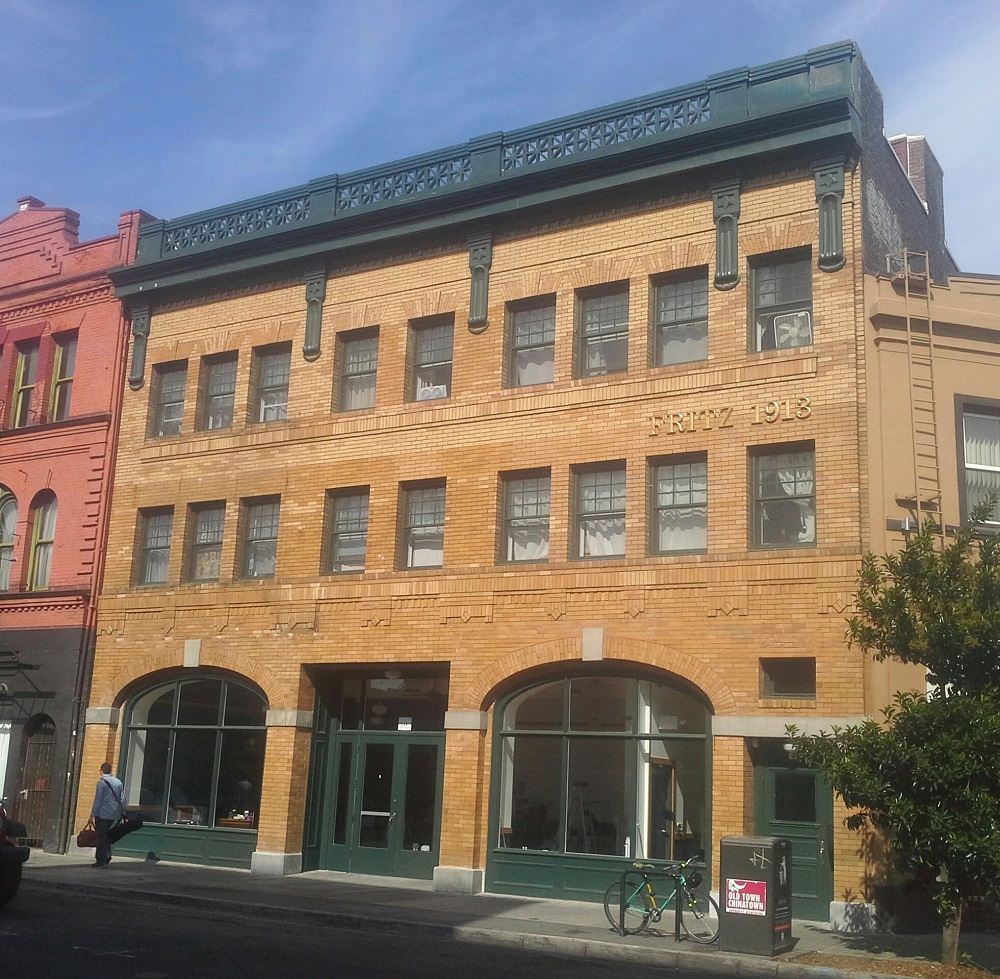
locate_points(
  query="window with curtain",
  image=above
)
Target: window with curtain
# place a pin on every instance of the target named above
(260, 537)
(432, 358)
(679, 504)
(981, 437)
(531, 332)
(43, 536)
(681, 319)
(526, 498)
(782, 302)
(8, 528)
(423, 527)
(600, 511)
(205, 554)
(271, 370)
(602, 331)
(63, 370)
(219, 392)
(358, 358)
(784, 498)
(167, 393)
(347, 516)
(156, 530)
(195, 753)
(25, 378)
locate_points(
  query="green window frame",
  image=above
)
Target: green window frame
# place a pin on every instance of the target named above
(43, 536)
(8, 537)
(63, 371)
(25, 379)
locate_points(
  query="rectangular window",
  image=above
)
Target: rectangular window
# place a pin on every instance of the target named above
(432, 359)
(260, 537)
(602, 332)
(348, 522)
(25, 377)
(681, 319)
(169, 383)
(981, 437)
(784, 498)
(358, 358)
(679, 504)
(600, 511)
(207, 523)
(782, 303)
(156, 530)
(271, 368)
(788, 678)
(526, 499)
(63, 370)
(531, 332)
(423, 526)
(219, 392)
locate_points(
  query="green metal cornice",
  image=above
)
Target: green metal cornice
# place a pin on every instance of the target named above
(726, 118)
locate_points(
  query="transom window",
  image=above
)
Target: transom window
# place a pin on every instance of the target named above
(169, 382)
(532, 342)
(358, 370)
(348, 521)
(603, 332)
(679, 504)
(205, 559)
(782, 303)
(423, 529)
(526, 499)
(432, 359)
(784, 498)
(156, 529)
(681, 317)
(63, 370)
(981, 436)
(603, 764)
(272, 368)
(219, 376)
(600, 511)
(194, 753)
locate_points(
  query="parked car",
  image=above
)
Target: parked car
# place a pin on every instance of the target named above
(12, 856)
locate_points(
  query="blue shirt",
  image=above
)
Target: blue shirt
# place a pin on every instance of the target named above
(109, 800)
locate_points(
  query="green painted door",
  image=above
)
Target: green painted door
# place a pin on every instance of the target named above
(383, 814)
(797, 803)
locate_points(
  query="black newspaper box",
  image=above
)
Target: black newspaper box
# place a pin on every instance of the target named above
(755, 895)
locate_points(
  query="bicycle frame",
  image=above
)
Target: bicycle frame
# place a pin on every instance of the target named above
(676, 874)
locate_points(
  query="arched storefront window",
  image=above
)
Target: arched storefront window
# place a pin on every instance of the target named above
(195, 753)
(8, 524)
(604, 765)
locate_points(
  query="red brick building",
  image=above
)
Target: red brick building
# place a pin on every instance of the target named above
(62, 355)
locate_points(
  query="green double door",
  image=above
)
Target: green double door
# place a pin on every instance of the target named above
(383, 805)
(797, 803)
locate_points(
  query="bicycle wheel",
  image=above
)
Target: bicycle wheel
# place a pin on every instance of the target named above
(700, 917)
(638, 907)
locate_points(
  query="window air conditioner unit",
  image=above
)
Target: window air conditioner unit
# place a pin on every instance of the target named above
(793, 329)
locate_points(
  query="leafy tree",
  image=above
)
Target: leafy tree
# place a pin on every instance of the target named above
(928, 778)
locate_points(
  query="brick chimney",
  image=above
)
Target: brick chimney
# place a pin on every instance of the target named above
(29, 203)
(925, 173)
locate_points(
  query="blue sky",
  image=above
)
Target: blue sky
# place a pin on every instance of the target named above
(173, 106)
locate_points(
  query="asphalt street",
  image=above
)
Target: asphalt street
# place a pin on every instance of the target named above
(51, 935)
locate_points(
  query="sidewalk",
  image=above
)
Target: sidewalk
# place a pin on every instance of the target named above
(565, 927)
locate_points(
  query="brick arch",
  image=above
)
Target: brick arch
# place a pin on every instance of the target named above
(479, 693)
(109, 694)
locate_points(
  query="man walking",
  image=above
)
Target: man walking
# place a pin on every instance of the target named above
(109, 804)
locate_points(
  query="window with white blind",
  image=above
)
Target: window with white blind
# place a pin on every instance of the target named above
(981, 439)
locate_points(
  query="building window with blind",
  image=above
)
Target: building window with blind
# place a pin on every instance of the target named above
(155, 532)
(600, 511)
(260, 537)
(43, 537)
(357, 354)
(783, 480)
(981, 441)
(63, 370)
(602, 331)
(205, 549)
(423, 526)
(271, 368)
(25, 378)
(167, 399)
(347, 518)
(218, 376)
(531, 342)
(678, 504)
(431, 345)
(681, 319)
(526, 499)
(781, 294)
(8, 529)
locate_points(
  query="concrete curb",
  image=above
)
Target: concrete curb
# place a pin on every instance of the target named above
(705, 960)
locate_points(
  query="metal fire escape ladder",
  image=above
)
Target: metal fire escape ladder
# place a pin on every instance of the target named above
(912, 271)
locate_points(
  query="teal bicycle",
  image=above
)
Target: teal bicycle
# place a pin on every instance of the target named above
(631, 902)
